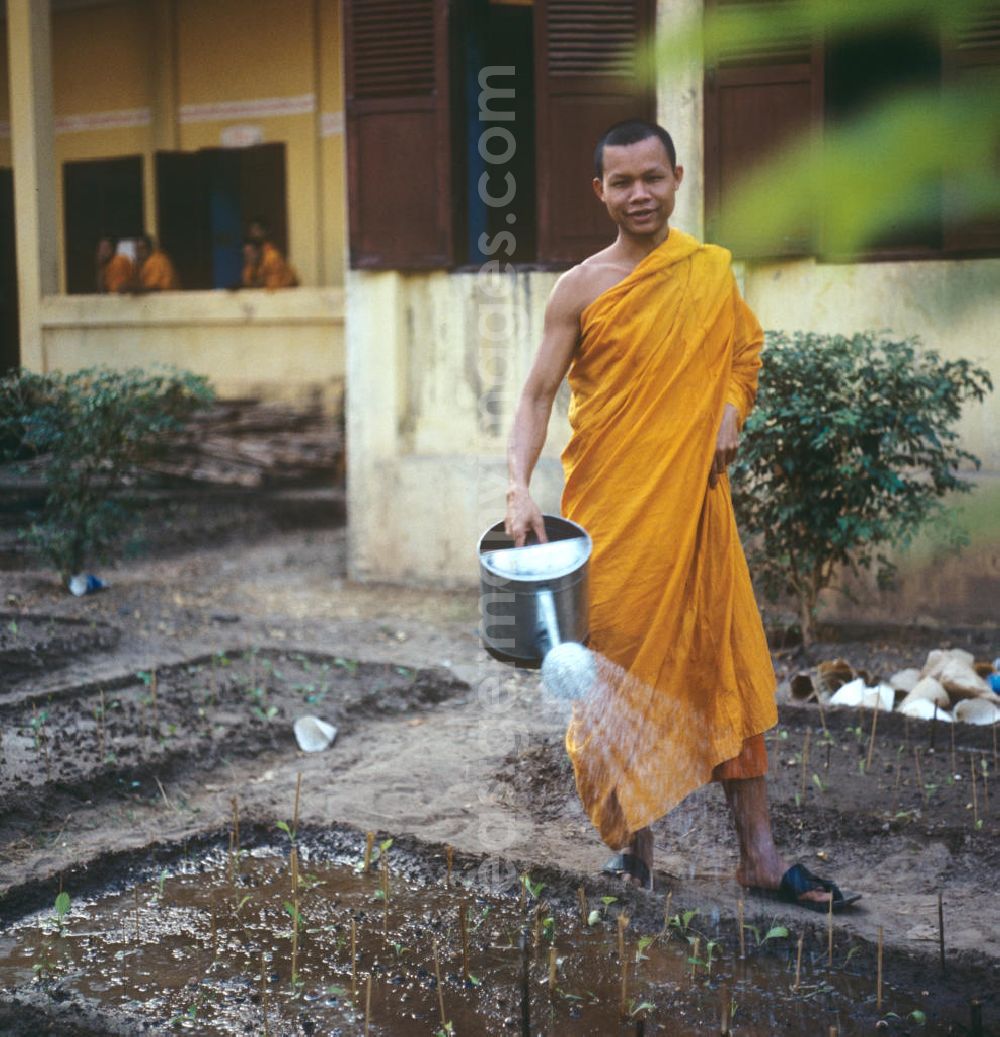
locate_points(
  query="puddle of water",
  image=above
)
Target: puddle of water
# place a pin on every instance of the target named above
(216, 953)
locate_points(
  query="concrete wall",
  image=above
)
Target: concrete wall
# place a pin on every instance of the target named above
(954, 307)
(281, 346)
(434, 365)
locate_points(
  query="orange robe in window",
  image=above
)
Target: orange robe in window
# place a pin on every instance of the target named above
(273, 271)
(118, 273)
(671, 603)
(158, 274)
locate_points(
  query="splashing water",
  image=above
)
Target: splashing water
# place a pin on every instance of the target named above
(569, 670)
(647, 743)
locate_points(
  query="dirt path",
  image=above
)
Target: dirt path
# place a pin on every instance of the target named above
(483, 768)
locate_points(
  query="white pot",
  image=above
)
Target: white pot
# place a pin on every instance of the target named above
(314, 735)
(923, 709)
(930, 689)
(857, 694)
(904, 680)
(977, 711)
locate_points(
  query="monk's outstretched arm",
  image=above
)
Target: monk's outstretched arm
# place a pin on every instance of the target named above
(742, 389)
(531, 420)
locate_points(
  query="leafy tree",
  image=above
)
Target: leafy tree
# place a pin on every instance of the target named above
(88, 432)
(850, 451)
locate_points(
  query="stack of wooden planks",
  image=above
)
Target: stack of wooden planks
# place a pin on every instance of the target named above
(244, 442)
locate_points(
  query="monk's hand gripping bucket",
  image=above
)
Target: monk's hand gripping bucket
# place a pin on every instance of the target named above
(534, 603)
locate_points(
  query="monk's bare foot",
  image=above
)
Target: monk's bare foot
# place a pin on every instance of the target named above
(766, 872)
(638, 860)
(761, 866)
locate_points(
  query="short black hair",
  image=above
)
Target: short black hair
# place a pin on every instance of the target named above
(631, 131)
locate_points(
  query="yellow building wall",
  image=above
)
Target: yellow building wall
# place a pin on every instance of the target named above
(251, 51)
(248, 52)
(134, 75)
(99, 58)
(435, 364)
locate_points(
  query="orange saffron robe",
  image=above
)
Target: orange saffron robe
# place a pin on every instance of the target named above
(158, 274)
(118, 273)
(273, 271)
(671, 602)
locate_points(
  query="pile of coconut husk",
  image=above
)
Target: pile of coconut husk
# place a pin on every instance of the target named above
(951, 686)
(244, 442)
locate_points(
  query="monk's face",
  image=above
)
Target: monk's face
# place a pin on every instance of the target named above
(104, 250)
(141, 251)
(639, 186)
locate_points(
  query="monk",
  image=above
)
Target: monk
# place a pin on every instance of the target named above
(662, 355)
(263, 264)
(115, 272)
(156, 272)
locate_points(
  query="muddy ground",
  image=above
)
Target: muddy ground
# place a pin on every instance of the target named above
(436, 740)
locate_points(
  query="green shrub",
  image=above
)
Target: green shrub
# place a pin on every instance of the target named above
(849, 452)
(88, 432)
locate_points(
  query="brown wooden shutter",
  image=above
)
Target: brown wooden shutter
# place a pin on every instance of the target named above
(398, 133)
(972, 51)
(588, 77)
(757, 98)
(183, 215)
(100, 196)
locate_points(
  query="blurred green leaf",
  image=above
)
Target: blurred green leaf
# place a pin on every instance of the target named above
(892, 166)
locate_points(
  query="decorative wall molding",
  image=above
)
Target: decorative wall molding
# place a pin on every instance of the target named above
(331, 123)
(260, 108)
(120, 118)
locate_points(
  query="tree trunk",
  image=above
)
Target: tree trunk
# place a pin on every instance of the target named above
(807, 615)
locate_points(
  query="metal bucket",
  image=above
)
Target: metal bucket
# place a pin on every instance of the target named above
(527, 591)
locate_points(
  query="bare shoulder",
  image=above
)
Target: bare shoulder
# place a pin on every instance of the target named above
(582, 284)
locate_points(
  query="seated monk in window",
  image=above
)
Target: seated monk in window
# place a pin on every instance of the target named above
(263, 264)
(155, 271)
(115, 272)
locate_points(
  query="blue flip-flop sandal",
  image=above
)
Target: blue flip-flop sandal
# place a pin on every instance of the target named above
(626, 863)
(798, 880)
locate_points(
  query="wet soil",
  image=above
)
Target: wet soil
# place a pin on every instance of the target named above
(483, 769)
(214, 940)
